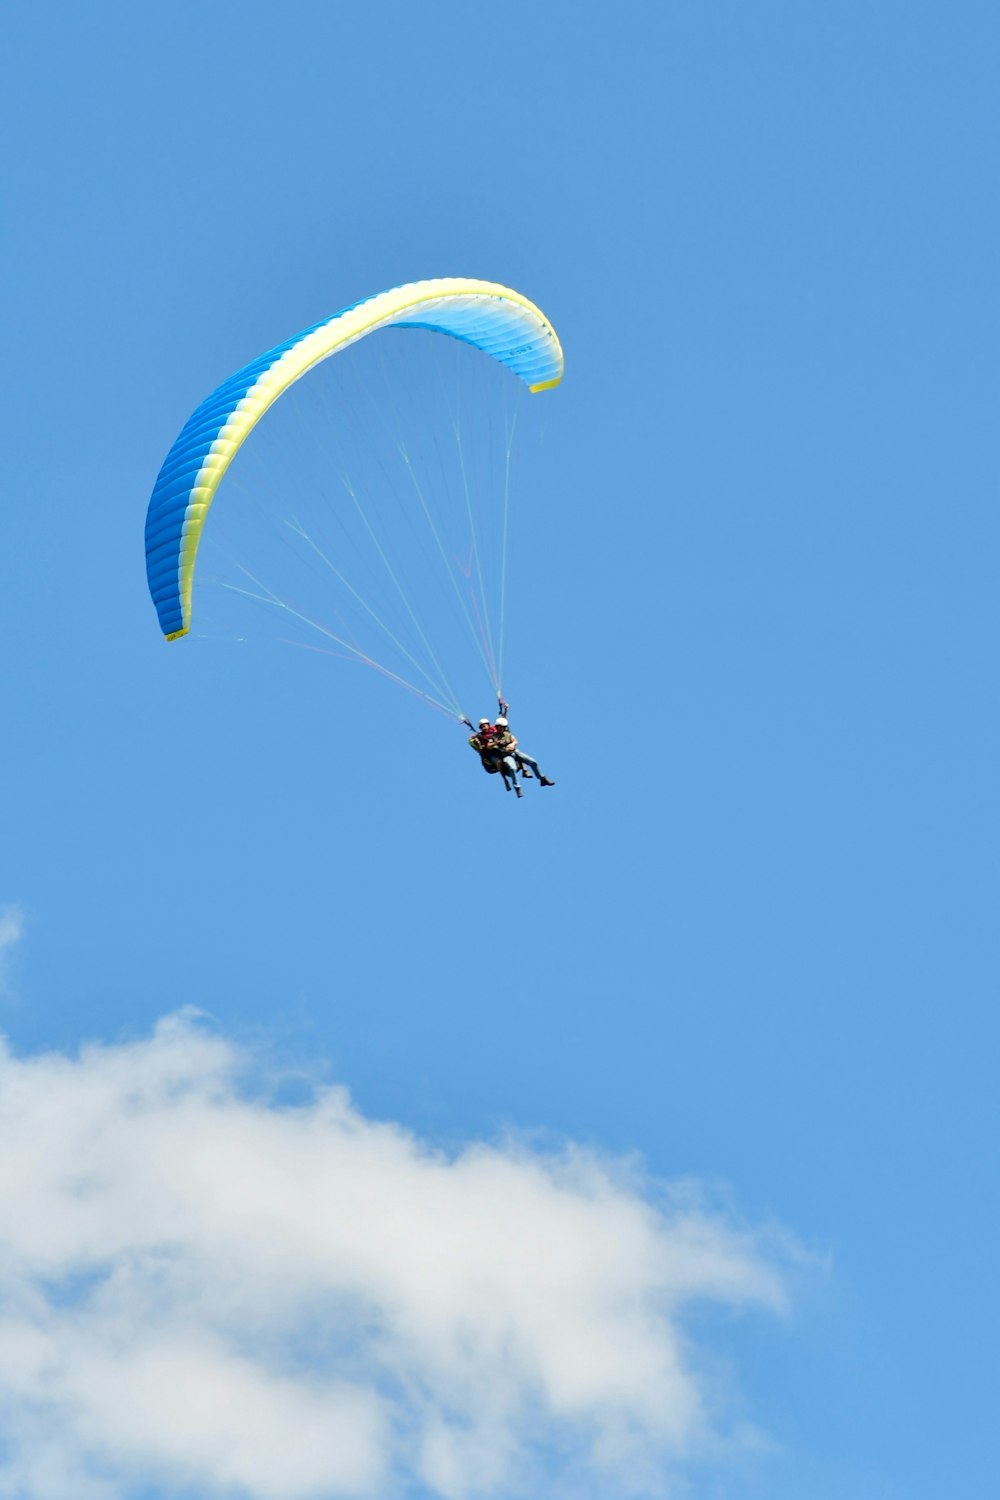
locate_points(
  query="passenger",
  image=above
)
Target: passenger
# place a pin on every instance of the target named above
(502, 740)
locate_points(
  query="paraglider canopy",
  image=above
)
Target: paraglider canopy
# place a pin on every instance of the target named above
(491, 317)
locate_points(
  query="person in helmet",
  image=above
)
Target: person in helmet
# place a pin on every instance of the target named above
(504, 742)
(484, 742)
(480, 740)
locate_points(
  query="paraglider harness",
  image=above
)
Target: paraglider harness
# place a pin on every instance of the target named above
(489, 765)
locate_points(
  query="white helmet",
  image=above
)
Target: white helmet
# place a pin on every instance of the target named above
(482, 722)
(501, 723)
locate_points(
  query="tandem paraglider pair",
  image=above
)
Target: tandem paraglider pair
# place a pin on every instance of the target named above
(499, 752)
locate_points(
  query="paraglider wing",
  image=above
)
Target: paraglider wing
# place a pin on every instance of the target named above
(491, 317)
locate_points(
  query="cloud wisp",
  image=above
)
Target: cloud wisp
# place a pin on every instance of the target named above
(11, 932)
(202, 1289)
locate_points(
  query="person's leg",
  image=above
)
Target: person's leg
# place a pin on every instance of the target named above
(529, 760)
(499, 763)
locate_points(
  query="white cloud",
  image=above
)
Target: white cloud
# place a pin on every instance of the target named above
(11, 931)
(200, 1289)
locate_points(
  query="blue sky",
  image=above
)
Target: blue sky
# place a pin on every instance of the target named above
(749, 939)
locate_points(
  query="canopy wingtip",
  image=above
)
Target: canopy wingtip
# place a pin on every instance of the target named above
(545, 385)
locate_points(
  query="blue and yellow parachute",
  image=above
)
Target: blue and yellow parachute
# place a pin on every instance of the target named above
(488, 316)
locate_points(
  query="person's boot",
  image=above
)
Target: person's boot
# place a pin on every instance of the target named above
(519, 791)
(544, 781)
